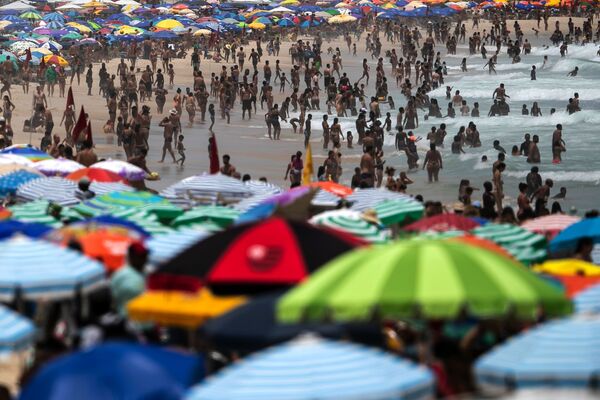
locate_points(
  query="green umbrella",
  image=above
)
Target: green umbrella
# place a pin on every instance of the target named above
(119, 201)
(37, 211)
(218, 215)
(71, 36)
(429, 278)
(30, 15)
(353, 223)
(525, 246)
(397, 211)
(145, 219)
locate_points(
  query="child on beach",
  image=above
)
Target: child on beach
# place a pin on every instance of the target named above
(181, 150)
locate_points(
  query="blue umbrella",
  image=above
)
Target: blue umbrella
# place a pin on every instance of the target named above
(38, 269)
(315, 369)
(54, 16)
(57, 25)
(116, 371)
(562, 353)
(166, 35)
(16, 332)
(568, 239)
(9, 228)
(285, 22)
(165, 247)
(11, 181)
(588, 300)
(11, 18)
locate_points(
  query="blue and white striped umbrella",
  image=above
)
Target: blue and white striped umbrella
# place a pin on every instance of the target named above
(314, 369)
(16, 331)
(207, 189)
(588, 300)
(9, 183)
(165, 247)
(39, 269)
(364, 199)
(561, 353)
(259, 187)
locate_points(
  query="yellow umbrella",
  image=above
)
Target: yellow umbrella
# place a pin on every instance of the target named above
(169, 24)
(81, 28)
(202, 32)
(341, 19)
(129, 30)
(289, 3)
(180, 309)
(568, 267)
(94, 4)
(57, 60)
(257, 25)
(42, 50)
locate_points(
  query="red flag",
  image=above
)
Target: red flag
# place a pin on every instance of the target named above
(213, 154)
(70, 98)
(88, 133)
(80, 127)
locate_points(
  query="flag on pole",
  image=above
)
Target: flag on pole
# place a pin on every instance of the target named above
(70, 98)
(213, 154)
(80, 126)
(307, 172)
(88, 133)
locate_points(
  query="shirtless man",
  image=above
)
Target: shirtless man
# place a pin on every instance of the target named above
(558, 144)
(500, 93)
(367, 167)
(167, 126)
(86, 156)
(326, 132)
(534, 151)
(227, 168)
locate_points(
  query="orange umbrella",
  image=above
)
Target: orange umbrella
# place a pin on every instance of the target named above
(332, 187)
(5, 213)
(108, 247)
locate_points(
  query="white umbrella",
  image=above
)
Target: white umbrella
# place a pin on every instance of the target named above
(57, 167)
(123, 169)
(18, 5)
(69, 7)
(15, 159)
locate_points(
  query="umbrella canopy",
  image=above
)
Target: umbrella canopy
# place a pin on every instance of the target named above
(35, 211)
(54, 189)
(568, 239)
(58, 167)
(316, 369)
(253, 326)
(218, 215)
(524, 245)
(208, 189)
(186, 310)
(426, 278)
(354, 223)
(9, 228)
(442, 223)
(257, 257)
(121, 200)
(11, 181)
(96, 175)
(56, 60)
(169, 24)
(560, 353)
(36, 269)
(116, 371)
(588, 300)
(7, 159)
(27, 151)
(164, 247)
(332, 187)
(16, 331)
(568, 267)
(122, 168)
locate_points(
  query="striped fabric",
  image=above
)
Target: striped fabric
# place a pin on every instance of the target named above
(9, 183)
(596, 254)
(398, 211)
(259, 187)
(123, 169)
(57, 167)
(364, 199)
(550, 223)
(525, 246)
(16, 332)
(208, 189)
(144, 219)
(43, 270)
(351, 222)
(165, 247)
(588, 300)
(37, 211)
(251, 202)
(313, 369)
(323, 198)
(562, 353)
(219, 215)
(121, 200)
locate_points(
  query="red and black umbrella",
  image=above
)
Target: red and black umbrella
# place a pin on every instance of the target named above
(442, 223)
(253, 258)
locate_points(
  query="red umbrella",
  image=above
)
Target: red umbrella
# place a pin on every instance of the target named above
(256, 257)
(442, 223)
(96, 175)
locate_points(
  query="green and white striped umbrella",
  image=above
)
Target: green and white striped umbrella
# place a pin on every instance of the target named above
(525, 246)
(37, 211)
(145, 219)
(353, 223)
(218, 215)
(120, 201)
(398, 211)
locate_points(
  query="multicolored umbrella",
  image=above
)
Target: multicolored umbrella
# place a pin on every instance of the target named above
(116, 371)
(119, 201)
(257, 257)
(56, 60)
(7, 159)
(16, 331)
(562, 353)
(122, 168)
(575, 275)
(311, 368)
(218, 215)
(27, 151)
(442, 223)
(524, 245)
(58, 167)
(35, 269)
(96, 175)
(187, 310)
(435, 279)
(354, 223)
(568, 239)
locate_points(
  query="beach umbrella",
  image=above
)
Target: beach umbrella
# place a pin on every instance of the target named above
(96, 175)
(260, 187)
(257, 26)
(164, 247)
(434, 279)
(8, 159)
(16, 331)
(398, 211)
(56, 60)
(354, 223)
(441, 223)
(207, 189)
(168, 24)
(116, 371)
(11, 181)
(121, 201)
(79, 27)
(588, 300)
(35, 212)
(311, 368)
(21, 45)
(203, 32)
(561, 353)
(186, 310)
(54, 16)
(52, 46)
(122, 168)
(55, 189)
(27, 151)
(341, 19)
(568, 239)
(550, 225)
(364, 199)
(574, 275)
(219, 215)
(253, 326)
(284, 22)
(9, 228)
(258, 257)
(71, 36)
(333, 187)
(41, 270)
(30, 15)
(524, 245)
(58, 167)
